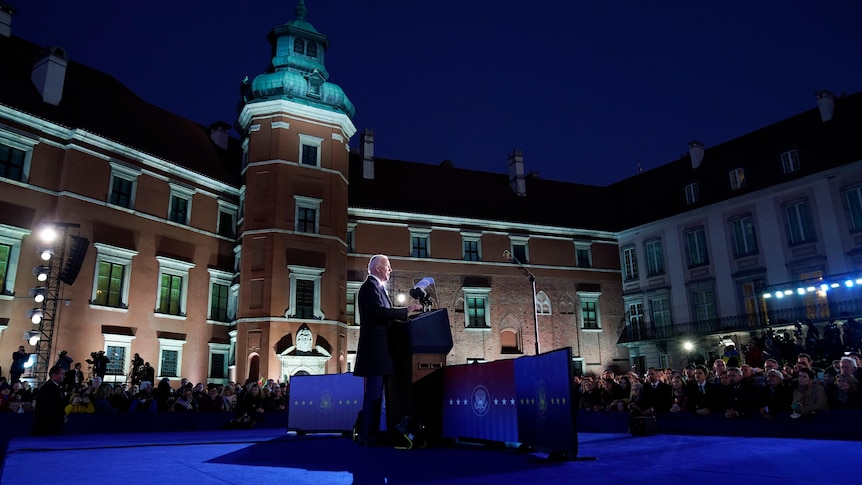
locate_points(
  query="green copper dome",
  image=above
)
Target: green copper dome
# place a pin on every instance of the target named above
(297, 71)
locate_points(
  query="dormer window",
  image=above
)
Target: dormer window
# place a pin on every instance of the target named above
(692, 193)
(299, 46)
(737, 179)
(790, 161)
(311, 49)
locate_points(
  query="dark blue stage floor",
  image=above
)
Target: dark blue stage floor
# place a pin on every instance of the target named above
(272, 456)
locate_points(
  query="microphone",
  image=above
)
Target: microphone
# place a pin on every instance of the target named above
(419, 290)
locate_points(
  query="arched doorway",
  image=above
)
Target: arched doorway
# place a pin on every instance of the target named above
(254, 367)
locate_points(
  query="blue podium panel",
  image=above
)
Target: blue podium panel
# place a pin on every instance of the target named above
(479, 401)
(546, 416)
(324, 403)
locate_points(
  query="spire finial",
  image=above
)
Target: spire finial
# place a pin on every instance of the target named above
(301, 10)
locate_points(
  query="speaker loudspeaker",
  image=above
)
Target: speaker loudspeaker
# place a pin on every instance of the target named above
(75, 259)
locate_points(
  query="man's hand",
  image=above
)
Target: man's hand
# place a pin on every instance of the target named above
(414, 307)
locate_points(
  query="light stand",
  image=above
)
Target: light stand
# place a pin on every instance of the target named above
(532, 278)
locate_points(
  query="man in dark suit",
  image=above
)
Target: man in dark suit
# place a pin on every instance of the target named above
(73, 378)
(50, 412)
(658, 391)
(373, 360)
(19, 358)
(704, 396)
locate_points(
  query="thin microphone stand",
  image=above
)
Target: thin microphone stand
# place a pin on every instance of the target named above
(532, 278)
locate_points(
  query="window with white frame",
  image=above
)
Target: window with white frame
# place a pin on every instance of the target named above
(590, 316)
(10, 251)
(660, 311)
(630, 263)
(170, 357)
(305, 292)
(790, 161)
(798, 221)
(221, 307)
(352, 313)
(226, 219)
(737, 178)
(636, 319)
(471, 244)
(124, 182)
(307, 214)
(309, 150)
(654, 257)
(118, 350)
(113, 273)
(583, 255)
(15, 153)
(543, 303)
(180, 209)
(695, 243)
(173, 286)
(744, 240)
(853, 197)
(218, 360)
(519, 248)
(351, 237)
(692, 193)
(477, 312)
(420, 243)
(703, 306)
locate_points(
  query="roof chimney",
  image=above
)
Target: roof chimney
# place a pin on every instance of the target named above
(367, 152)
(516, 173)
(49, 75)
(695, 152)
(219, 134)
(6, 13)
(826, 103)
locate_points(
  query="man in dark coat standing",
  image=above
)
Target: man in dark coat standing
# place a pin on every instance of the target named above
(373, 360)
(50, 412)
(19, 358)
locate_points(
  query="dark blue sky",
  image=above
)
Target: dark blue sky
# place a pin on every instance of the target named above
(585, 89)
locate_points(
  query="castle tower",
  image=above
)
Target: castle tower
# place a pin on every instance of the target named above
(295, 128)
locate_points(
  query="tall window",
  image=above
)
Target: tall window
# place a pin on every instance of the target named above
(307, 214)
(519, 250)
(226, 219)
(744, 242)
(123, 183)
(695, 240)
(173, 286)
(10, 250)
(630, 263)
(800, 225)
(299, 46)
(472, 247)
(305, 292)
(12, 163)
(221, 307)
(790, 161)
(583, 256)
(113, 268)
(170, 357)
(311, 49)
(5, 258)
(854, 207)
(692, 193)
(590, 310)
(218, 362)
(703, 305)
(543, 303)
(636, 320)
(419, 243)
(117, 358)
(309, 150)
(476, 311)
(117, 349)
(351, 238)
(655, 257)
(755, 305)
(660, 312)
(737, 178)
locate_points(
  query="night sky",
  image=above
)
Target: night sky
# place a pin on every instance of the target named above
(586, 89)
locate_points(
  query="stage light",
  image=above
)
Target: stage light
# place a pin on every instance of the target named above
(32, 337)
(849, 283)
(39, 294)
(45, 252)
(36, 315)
(48, 234)
(688, 346)
(42, 272)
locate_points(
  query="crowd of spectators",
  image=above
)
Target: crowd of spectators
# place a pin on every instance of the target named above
(733, 391)
(249, 403)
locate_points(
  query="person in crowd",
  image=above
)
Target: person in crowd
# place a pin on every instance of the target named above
(776, 397)
(145, 400)
(718, 368)
(120, 399)
(100, 363)
(754, 356)
(80, 404)
(163, 394)
(591, 398)
(770, 351)
(50, 412)
(276, 401)
(199, 391)
(809, 396)
(251, 406)
(845, 393)
(64, 361)
(731, 356)
(91, 388)
(229, 393)
(622, 403)
(639, 401)
(73, 377)
(213, 401)
(19, 358)
(21, 397)
(847, 366)
(679, 395)
(738, 398)
(102, 399)
(373, 360)
(186, 401)
(657, 391)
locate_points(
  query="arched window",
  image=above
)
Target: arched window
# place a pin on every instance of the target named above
(543, 303)
(298, 46)
(311, 49)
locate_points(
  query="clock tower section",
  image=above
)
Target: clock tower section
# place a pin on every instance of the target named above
(292, 253)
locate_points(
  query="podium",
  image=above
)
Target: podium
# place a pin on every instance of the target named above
(419, 348)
